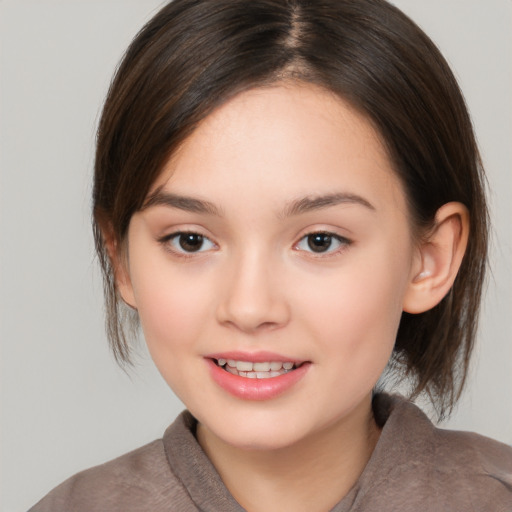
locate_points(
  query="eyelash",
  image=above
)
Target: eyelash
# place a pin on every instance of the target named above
(332, 237)
(167, 240)
(343, 243)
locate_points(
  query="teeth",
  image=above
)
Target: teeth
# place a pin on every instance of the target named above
(261, 375)
(261, 367)
(264, 370)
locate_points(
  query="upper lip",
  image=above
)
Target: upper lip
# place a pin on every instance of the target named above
(254, 357)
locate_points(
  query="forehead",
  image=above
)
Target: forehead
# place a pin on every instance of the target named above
(287, 138)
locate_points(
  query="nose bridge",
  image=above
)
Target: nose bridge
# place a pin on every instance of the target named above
(252, 298)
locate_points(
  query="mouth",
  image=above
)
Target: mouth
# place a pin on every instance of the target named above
(259, 370)
(257, 376)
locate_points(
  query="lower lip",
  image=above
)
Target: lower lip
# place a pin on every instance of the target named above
(256, 389)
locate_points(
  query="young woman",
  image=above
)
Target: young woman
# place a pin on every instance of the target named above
(289, 198)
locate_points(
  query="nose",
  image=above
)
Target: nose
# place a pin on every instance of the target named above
(253, 297)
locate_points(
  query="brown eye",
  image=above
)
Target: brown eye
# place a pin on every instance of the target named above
(190, 242)
(321, 242)
(187, 242)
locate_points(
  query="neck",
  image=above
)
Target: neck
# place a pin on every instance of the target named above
(312, 474)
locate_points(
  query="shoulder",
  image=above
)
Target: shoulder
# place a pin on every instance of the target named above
(471, 471)
(139, 480)
(467, 449)
(453, 469)
(483, 465)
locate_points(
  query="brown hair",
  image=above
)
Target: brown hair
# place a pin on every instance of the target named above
(196, 54)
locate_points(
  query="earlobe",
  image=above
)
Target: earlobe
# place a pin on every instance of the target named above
(438, 260)
(119, 263)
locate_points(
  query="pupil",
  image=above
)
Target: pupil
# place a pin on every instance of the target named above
(319, 242)
(190, 242)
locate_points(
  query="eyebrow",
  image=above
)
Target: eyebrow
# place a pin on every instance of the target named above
(189, 204)
(308, 204)
(296, 207)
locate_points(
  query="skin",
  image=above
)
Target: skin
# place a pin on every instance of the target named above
(256, 285)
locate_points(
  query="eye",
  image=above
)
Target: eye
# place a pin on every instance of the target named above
(322, 242)
(188, 242)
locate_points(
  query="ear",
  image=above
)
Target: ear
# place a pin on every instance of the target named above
(438, 260)
(120, 266)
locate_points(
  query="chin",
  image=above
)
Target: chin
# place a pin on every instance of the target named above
(260, 430)
(270, 439)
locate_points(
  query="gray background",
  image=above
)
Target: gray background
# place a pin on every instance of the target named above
(65, 404)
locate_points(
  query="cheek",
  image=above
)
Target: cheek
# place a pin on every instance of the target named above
(173, 313)
(357, 311)
(172, 306)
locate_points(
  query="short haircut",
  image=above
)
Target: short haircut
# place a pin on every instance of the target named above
(194, 55)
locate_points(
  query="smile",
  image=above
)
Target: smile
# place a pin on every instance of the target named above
(260, 370)
(265, 377)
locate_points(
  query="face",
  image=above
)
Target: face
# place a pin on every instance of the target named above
(277, 236)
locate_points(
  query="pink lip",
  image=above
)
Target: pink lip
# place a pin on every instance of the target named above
(255, 389)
